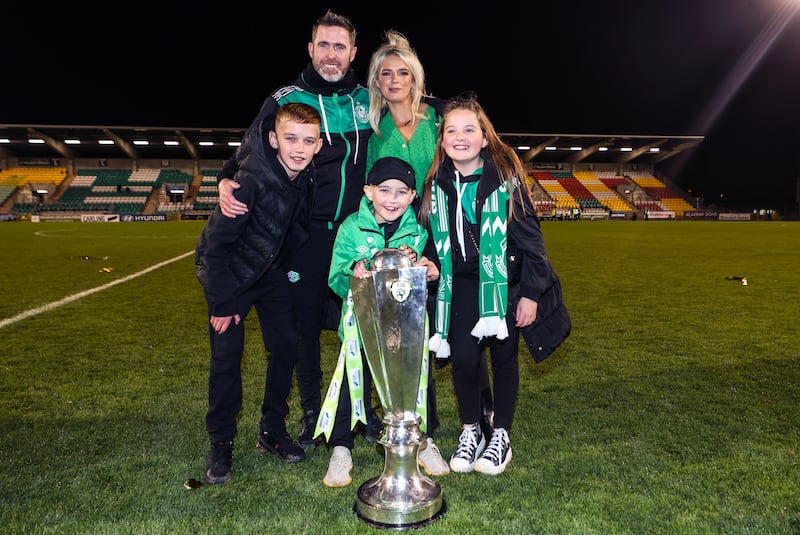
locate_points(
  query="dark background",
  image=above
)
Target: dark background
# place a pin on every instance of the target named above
(725, 69)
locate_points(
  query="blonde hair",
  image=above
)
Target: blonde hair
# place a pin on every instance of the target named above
(506, 160)
(395, 44)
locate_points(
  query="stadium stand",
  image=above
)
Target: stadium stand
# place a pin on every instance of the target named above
(208, 195)
(659, 197)
(53, 180)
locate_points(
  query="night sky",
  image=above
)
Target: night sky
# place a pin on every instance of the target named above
(725, 69)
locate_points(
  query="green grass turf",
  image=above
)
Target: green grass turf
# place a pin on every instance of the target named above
(671, 408)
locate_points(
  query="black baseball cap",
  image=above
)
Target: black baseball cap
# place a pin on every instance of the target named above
(391, 167)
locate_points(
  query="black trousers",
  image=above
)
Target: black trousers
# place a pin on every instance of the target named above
(341, 433)
(270, 299)
(311, 297)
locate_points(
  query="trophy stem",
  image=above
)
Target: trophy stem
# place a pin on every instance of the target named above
(402, 497)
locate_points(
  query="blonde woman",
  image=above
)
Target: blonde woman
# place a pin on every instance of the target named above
(405, 120)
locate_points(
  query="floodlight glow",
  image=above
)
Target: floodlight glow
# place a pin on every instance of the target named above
(655, 149)
(72, 141)
(234, 143)
(4, 140)
(576, 148)
(524, 147)
(140, 142)
(550, 148)
(170, 142)
(36, 141)
(603, 149)
(206, 143)
(105, 141)
(626, 149)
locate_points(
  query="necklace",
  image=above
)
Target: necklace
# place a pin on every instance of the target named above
(471, 236)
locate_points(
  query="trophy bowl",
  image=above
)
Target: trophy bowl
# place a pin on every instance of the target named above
(390, 259)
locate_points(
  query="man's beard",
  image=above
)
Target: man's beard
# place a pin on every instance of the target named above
(337, 76)
(328, 75)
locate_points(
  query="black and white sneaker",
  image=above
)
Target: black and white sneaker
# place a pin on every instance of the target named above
(470, 445)
(496, 455)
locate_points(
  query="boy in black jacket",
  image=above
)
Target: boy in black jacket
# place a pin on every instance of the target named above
(240, 266)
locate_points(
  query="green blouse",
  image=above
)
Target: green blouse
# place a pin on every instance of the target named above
(418, 151)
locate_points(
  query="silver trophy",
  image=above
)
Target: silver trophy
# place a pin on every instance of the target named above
(390, 309)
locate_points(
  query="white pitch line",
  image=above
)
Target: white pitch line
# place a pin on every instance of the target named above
(74, 297)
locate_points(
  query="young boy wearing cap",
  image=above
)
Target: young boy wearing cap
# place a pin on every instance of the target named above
(383, 220)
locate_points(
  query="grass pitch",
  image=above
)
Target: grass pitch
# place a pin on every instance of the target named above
(671, 408)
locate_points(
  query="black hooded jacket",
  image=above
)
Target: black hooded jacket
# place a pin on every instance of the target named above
(341, 163)
(233, 253)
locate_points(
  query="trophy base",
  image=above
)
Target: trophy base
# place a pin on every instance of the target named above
(402, 497)
(397, 512)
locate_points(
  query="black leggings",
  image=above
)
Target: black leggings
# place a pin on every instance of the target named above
(467, 354)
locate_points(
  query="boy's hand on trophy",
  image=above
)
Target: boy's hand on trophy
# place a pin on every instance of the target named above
(409, 252)
(433, 270)
(360, 270)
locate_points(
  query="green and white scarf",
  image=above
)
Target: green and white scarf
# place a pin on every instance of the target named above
(493, 278)
(350, 361)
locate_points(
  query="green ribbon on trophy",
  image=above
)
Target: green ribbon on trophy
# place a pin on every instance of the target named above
(351, 363)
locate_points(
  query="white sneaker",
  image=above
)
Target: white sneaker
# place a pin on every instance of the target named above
(497, 454)
(470, 445)
(338, 474)
(430, 459)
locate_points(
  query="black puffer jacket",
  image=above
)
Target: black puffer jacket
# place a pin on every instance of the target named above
(233, 253)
